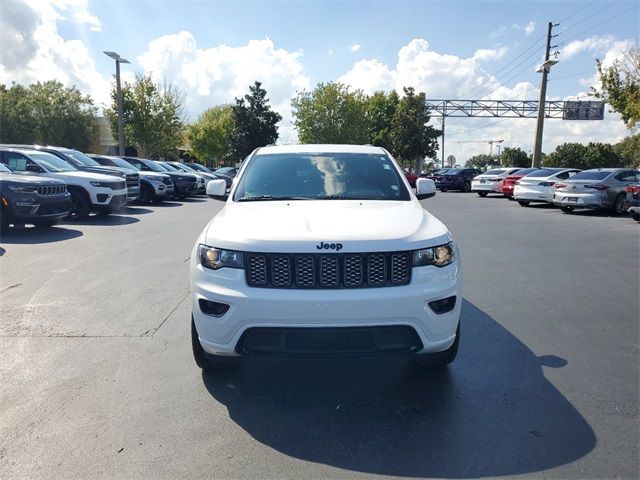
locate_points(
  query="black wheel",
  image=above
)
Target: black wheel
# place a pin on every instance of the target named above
(203, 359)
(566, 209)
(636, 216)
(482, 194)
(618, 206)
(45, 223)
(443, 190)
(524, 203)
(466, 187)
(4, 221)
(146, 194)
(440, 359)
(80, 207)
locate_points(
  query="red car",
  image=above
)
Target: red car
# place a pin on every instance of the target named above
(411, 178)
(508, 184)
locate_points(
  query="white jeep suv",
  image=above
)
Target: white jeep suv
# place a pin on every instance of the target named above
(324, 250)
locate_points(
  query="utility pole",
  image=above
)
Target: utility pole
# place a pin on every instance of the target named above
(546, 66)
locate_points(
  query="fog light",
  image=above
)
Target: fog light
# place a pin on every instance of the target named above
(444, 305)
(102, 197)
(215, 309)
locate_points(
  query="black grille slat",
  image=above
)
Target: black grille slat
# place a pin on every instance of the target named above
(322, 271)
(51, 190)
(280, 271)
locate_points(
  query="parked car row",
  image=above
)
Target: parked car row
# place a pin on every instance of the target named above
(43, 185)
(611, 189)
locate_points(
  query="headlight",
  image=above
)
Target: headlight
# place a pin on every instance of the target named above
(23, 188)
(440, 256)
(101, 184)
(215, 258)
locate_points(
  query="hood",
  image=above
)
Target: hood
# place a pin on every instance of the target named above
(154, 175)
(299, 226)
(31, 179)
(84, 175)
(112, 171)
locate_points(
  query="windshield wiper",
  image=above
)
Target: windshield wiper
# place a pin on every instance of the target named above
(340, 197)
(266, 198)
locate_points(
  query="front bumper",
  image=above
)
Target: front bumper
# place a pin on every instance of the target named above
(133, 193)
(579, 200)
(477, 186)
(303, 309)
(185, 188)
(28, 208)
(533, 194)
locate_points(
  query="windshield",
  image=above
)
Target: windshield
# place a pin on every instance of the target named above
(81, 157)
(199, 168)
(156, 167)
(181, 168)
(51, 162)
(591, 175)
(122, 163)
(303, 176)
(454, 171)
(169, 168)
(226, 170)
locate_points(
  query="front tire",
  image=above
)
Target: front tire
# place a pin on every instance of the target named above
(204, 360)
(482, 194)
(443, 190)
(636, 216)
(146, 194)
(524, 203)
(466, 187)
(566, 209)
(80, 207)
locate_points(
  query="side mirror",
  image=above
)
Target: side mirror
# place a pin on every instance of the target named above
(33, 168)
(217, 189)
(425, 188)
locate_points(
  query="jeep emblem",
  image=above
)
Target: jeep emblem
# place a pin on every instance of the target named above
(329, 246)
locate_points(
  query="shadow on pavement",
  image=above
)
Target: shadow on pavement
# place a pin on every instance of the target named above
(103, 220)
(32, 236)
(491, 413)
(136, 210)
(168, 203)
(194, 200)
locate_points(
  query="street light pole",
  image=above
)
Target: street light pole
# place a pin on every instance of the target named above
(119, 60)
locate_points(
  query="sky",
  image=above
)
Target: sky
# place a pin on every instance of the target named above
(213, 50)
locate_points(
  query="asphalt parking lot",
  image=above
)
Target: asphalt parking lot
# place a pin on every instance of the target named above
(98, 380)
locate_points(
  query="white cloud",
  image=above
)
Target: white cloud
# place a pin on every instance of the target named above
(330, 52)
(527, 28)
(355, 47)
(447, 76)
(216, 75)
(33, 49)
(596, 45)
(489, 54)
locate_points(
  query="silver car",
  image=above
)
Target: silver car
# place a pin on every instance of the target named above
(601, 188)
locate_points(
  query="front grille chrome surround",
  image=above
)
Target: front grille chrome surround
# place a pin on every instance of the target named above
(328, 271)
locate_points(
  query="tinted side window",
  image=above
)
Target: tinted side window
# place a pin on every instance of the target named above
(563, 175)
(626, 177)
(15, 161)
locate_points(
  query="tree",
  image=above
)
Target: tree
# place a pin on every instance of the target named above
(151, 116)
(514, 157)
(47, 113)
(380, 110)
(411, 138)
(209, 136)
(331, 113)
(576, 155)
(629, 150)
(480, 161)
(254, 123)
(621, 86)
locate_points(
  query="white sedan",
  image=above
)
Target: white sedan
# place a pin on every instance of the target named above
(491, 180)
(538, 185)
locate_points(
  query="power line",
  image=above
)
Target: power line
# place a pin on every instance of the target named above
(593, 14)
(572, 75)
(577, 11)
(604, 22)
